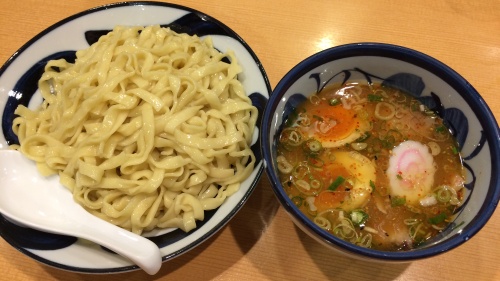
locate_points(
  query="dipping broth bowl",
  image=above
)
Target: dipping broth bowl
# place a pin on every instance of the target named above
(436, 86)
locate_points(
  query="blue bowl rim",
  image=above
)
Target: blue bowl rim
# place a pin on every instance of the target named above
(464, 88)
(237, 208)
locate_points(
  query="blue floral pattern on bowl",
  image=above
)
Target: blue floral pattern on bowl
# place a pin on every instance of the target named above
(435, 85)
(24, 90)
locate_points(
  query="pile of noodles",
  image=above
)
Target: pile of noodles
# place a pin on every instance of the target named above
(148, 128)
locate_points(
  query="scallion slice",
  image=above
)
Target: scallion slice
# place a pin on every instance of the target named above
(437, 219)
(359, 217)
(397, 201)
(336, 183)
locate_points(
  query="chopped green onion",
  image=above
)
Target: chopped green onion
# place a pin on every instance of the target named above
(374, 98)
(397, 201)
(312, 146)
(440, 129)
(336, 183)
(454, 150)
(359, 145)
(394, 136)
(359, 217)
(308, 185)
(315, 183)
(429, 112)
(437, 219)
(399, 176)
(334, 101)
(365, 241)
(316, 162)
(297, 200)
(372, 185)
(291, 137)
(388, 143)
(301, 170)
(443, 195)
(363, 137)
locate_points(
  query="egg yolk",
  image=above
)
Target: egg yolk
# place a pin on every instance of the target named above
(334, 126)
(358, 172)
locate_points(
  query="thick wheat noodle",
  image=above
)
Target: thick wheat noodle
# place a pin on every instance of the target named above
(148, 128)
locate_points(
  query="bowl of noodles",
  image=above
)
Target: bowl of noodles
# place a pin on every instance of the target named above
(382, 152)
(148, 113)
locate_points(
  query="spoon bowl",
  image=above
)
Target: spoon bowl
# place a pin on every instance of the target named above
(42, 203)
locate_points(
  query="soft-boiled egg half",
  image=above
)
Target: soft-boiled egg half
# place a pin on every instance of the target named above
(335, 126)
(359, 171)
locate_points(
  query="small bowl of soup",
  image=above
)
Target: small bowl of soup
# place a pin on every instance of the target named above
(382, 152)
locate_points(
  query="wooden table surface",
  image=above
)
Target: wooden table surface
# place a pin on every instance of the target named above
(261, 242)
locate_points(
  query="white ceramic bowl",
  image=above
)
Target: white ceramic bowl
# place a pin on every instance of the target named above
(18, 84)
(437, 86)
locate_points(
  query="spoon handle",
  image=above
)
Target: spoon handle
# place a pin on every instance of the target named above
(52, 209)
(138, 249)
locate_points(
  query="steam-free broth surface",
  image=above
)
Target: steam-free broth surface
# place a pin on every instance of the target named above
(371, 165)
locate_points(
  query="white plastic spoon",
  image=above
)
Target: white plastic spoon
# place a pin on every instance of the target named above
(44, 204)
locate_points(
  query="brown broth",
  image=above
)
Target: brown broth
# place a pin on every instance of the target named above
(356, 201)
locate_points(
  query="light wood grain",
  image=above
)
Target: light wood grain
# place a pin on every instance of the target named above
(261, 242)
